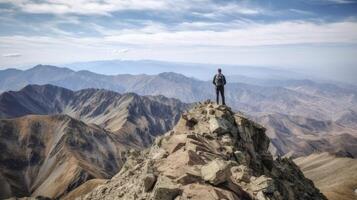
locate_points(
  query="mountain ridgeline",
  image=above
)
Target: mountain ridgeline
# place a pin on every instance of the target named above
(301, 116)
(53, 139)
(142, 116)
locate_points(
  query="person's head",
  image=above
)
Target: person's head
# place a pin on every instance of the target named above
(219, 70)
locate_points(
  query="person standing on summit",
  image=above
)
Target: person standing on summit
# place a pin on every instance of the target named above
(219, 81)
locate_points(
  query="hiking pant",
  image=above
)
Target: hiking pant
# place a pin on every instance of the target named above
(220, 89)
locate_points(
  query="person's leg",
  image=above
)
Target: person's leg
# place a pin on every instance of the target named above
(222, 94)
(217, 95)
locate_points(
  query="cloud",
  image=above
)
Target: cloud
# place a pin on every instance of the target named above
(11, 55)
(340, 1)
(160, 43)
(331, 1)
(120, 51)
(249, 34)
(292, 32)
(85, 7)
(302, 12)
(106, 7)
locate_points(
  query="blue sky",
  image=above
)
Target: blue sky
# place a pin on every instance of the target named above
(309, 35)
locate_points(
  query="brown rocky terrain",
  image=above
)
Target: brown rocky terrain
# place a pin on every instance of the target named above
(211, 153)
(336, 177)
(51, 155)
(53, 139)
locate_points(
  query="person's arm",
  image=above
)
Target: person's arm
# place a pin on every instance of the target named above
(224, 80)
(214, 80)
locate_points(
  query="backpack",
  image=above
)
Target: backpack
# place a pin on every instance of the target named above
(219, 80)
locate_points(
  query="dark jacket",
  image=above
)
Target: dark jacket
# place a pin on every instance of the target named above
(223, 79)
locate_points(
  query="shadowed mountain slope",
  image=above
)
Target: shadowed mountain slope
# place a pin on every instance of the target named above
(50, 155)
(336, 177)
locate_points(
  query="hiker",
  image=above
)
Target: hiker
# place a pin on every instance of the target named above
(219, 81)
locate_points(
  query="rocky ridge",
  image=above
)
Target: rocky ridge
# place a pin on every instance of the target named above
(211, 153)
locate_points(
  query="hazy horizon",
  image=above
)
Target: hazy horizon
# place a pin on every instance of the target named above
(201, 71)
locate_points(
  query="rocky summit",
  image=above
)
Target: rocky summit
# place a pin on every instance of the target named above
(212, 153)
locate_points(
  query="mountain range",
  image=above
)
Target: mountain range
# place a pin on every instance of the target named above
(201, 71)
(302, 116)
(53, 139)
(141, 116)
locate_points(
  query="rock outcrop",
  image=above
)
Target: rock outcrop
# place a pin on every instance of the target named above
(211, 153)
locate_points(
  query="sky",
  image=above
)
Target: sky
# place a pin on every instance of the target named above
(314, 36)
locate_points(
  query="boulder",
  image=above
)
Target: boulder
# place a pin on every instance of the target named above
(191, 121)
(211, 111)
(217, 171)
(189, 178)
(227, 140)
(261, 196)
(159, 153)
(166, 189)
(219, 126)
(241, 173)
(206, 192)
(240, 157)
(149, 181)
(264, 184)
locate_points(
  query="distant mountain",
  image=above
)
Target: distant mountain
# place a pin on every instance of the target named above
(336, 177)
(317, 100)
(136, 118)
(349, 117)
(198, 70)
(49, 156)
(305, 100)
(299, 136)
(43, 74)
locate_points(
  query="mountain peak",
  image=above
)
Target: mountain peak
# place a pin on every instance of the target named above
(176, 77)
(41, 67)
(212, 153)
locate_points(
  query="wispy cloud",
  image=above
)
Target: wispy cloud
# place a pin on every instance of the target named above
(11, 55)
(340, 1)
(283, 33)
(303, 12)
(298, 32)
(102, 7)
(331, 1)
(106, 7)
(120, 51)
